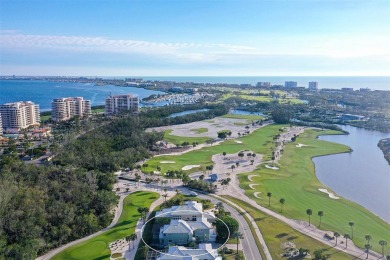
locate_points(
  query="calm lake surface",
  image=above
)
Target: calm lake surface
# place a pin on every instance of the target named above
(362, 176)
(188, 112)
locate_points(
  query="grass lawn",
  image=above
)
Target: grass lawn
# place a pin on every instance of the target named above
(233, 255)
(200, 130)
(97, 110)
(260, 142)
(98, 247)
(178, 140)
(45, 118)
(297, 184)
(247, 117)
(275, 233)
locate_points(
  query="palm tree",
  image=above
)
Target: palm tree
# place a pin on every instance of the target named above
(351, 224)
(320, 214)
(232, 167)
(269, 195)
(368, 247)
(138, 178)
(383, 243)
(309, 212)
(224, 154)
(346, 236)
(165, 197)
(238, 235)
(177, 191)
(128, 240)
(282, 201)
(336, 235)
(368, 238)
(133, 237)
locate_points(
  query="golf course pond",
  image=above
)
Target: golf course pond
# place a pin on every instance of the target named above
(363, 175)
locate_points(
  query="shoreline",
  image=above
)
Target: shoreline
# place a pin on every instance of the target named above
(330, 189)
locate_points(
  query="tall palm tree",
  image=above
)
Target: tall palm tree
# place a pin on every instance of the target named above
(177, 191)
(383, 243)
(368, 238)
(336, 235)
(320, 214)
(165, 197)
(309, 212)
(133, 237)
(269, 195)
(282, 201)
(368, 247)
(128, 240)
(224, 154)
(351, 224)
(238, 235)
(346, 236)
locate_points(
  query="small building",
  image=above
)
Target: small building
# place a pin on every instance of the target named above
(178, 232)
(204, 252)
(214, 177)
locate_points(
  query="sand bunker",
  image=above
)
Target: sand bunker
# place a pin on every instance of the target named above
(251, 176)
(331, 195)
(189, 167)
(167, 162)
(156, 172)
(239, 142)
(256, 194)
(251, 186)
(301, 145)
(272, 167)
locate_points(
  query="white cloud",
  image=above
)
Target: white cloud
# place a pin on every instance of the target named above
(341, 47)
(270, 54)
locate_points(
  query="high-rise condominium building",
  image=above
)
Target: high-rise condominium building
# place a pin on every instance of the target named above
(1, 126)
(63, 109)
(20, 115)
(290, 84)
(263, 84)
(313, 85)
(116, 104)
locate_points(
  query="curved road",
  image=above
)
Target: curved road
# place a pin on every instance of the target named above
(248, 243)
(118, 213)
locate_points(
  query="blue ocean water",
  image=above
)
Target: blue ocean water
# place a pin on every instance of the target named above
(43, 92)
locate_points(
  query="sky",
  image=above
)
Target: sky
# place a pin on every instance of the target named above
(195, 37)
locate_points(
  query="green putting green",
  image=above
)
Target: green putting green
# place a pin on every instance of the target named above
(178, 140)
(98, 247)
(200, 130)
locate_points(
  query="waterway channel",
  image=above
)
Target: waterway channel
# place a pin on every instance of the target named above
(363, 175)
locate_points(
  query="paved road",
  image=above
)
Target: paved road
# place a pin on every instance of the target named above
(248, 243)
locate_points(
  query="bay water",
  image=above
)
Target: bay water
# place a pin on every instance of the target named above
(363, 175)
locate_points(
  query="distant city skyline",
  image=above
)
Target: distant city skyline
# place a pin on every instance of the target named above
(195, 38)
